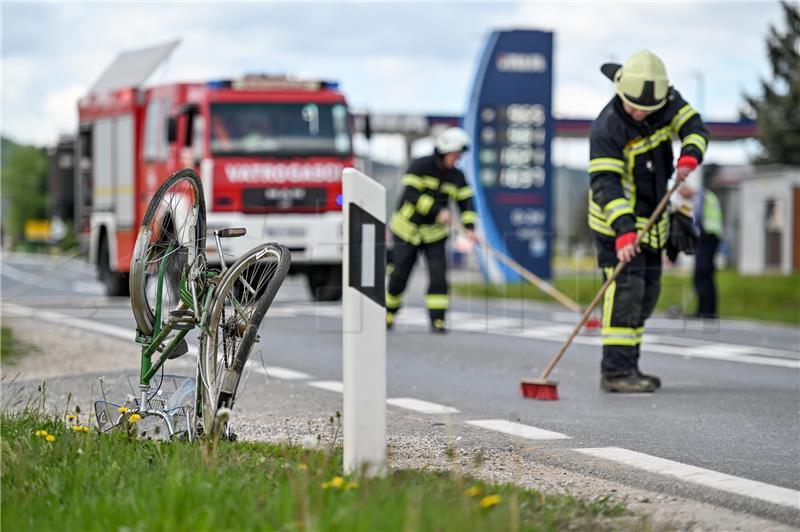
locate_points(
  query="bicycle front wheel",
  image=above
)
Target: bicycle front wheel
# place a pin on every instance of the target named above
(171, 237)
(240, 302)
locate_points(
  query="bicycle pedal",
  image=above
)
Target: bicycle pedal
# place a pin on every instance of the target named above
(181, 349)
(181, 319)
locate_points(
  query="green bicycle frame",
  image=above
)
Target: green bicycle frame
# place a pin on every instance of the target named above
(151, 344)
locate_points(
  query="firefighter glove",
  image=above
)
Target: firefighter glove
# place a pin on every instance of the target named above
(682, 236)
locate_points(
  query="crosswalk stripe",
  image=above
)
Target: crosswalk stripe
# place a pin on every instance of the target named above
(518, 429)
(698, 475)
(419, 405)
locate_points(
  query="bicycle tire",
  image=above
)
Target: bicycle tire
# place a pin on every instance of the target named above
(169, 205)
(260, 273)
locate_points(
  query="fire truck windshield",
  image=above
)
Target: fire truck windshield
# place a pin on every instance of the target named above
(279, 129)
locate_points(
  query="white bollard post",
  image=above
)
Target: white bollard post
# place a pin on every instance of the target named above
(364, 324)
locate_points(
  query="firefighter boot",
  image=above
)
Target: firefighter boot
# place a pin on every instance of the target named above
(389, 321)
(438, 327)
(631, 383)
(652, 378)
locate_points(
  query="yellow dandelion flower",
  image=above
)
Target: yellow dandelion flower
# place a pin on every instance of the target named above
(473, 491)
(490, 500)
(77, 428)
(71, 417)
(335, 482)
(42, 433)
(50, 438)
(134, 418)
(122, 409)
(85, 428)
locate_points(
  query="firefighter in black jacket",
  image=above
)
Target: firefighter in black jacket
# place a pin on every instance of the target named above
(631, 160)
(420, 223)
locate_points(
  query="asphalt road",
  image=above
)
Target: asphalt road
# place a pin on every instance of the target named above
(726, 420)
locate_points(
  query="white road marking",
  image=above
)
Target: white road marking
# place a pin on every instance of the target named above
(724, 353)
(61, 319)
(675, 346)
(88, 288)
(698, 475)
(277, 311)
(419, 405)
(277, 372)
(331, 386)
(518, 429)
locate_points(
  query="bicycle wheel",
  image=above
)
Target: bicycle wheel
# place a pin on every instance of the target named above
(240, 301)
(172, 235)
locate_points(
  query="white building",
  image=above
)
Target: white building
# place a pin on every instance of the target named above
(769, 232)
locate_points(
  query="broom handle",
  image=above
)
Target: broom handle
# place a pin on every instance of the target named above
(540, 283)
(611, 278)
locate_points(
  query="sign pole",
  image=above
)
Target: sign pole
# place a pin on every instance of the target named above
(364, 324)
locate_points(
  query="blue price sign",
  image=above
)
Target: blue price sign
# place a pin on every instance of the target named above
(510, 121)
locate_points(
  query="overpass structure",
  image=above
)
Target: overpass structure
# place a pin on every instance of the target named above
(416, 126)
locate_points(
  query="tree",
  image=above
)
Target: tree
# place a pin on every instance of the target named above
(23, 186)
(778, 108)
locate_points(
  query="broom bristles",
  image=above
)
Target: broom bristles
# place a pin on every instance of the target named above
(542, 392)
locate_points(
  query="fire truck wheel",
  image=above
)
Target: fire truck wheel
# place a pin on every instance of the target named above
(325, 283)
(116, 284)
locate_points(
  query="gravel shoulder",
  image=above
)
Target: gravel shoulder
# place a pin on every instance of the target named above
(70, 361)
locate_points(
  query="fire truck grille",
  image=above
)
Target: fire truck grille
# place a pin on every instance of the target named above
(284, 199)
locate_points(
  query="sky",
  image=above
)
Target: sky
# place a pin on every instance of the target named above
(411, 57)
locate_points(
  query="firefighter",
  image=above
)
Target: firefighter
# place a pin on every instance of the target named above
(420, 223)
(630, 162)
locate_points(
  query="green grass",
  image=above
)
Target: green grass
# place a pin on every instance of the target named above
(87, 481)
(12, 349)
(773, 298)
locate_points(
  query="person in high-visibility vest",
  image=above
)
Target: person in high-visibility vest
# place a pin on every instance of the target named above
(420, 224)
(708, 222)
(630, 163)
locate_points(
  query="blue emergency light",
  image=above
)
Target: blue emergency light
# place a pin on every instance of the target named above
(219, 84)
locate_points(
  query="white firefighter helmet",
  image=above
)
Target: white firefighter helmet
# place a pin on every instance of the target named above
(641, 82)
(452, 139)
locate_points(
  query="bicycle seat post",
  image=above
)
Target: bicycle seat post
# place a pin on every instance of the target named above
(219, 250)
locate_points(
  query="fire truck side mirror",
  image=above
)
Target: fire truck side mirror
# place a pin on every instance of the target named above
(172, 129)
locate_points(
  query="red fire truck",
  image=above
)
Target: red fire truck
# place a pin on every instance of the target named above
(270, 152)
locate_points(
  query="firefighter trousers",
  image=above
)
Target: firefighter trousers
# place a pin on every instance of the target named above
(627, 303)
(404, 256)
